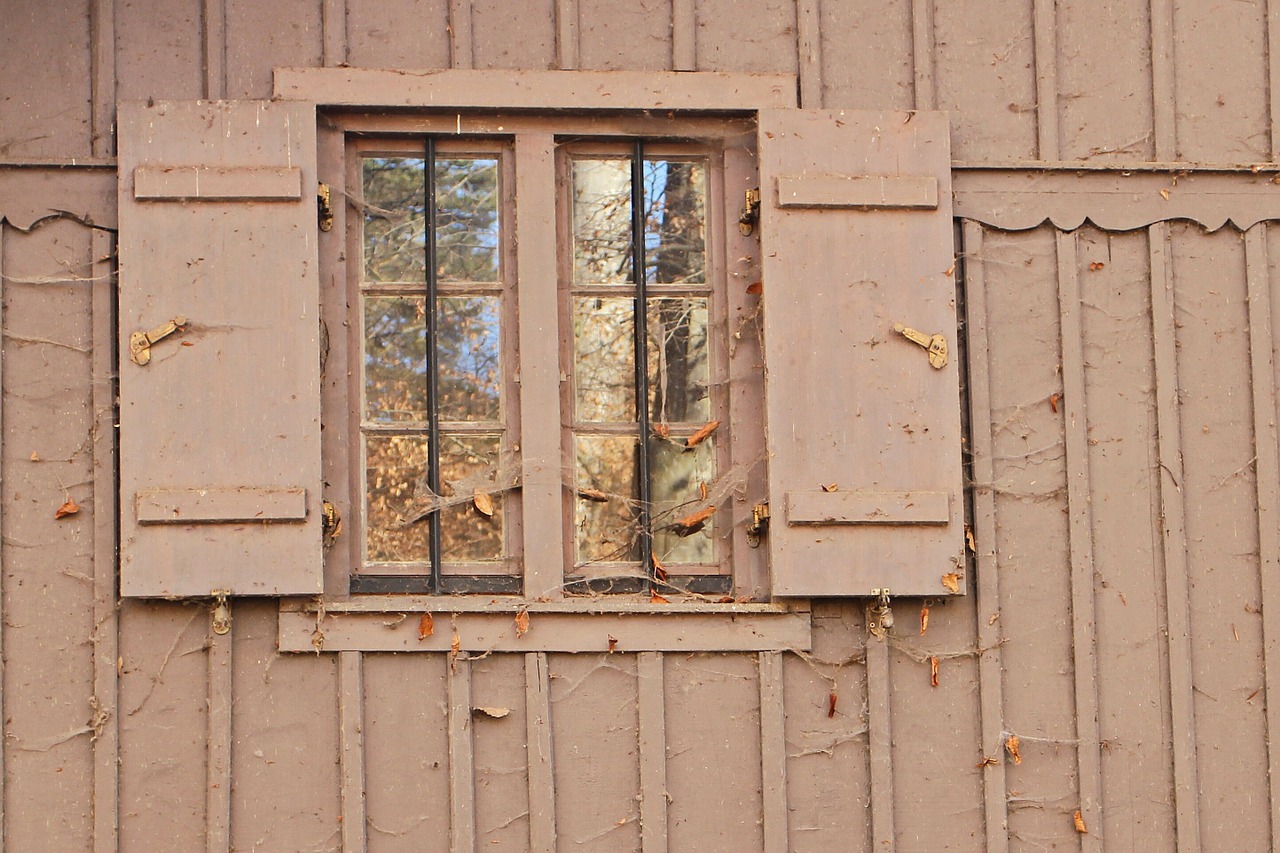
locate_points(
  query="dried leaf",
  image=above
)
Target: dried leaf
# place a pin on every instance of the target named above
(831, 704)
(35, 457)
(483, 503)
(987, 762)
(426, 626)
(1249, 698)
(187, 344)
(613, 643)
(968, 539)
(994, 617)
(1011, 746)
(661, 430)
(1096, 265)
(593, 495)
(702, 491)
(1164, 194)
(701, 435)
(657, 599)
(951, 270)
(455, 648)
(933, 670)
(691, 524)
(1054, 399)
(951, 581)
(659, 570)
(522, 623)
(924, 619)
(755, 288)
(1079, 822)
(68, 508)
(496, 713)
(831, 487)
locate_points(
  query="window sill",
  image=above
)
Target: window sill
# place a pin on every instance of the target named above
(395, 624)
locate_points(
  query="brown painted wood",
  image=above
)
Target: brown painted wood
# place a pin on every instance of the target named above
(102, 50)
(177, 506)
(987, 583)
(191, 419)
(542, 795)
(880, 746)
(200, 183)
(333, 17)
(652, 738)
(868, 192)
(462, 789)
(3, 527)
(1044, 26)
(876, 416)
(218, 756)
(839, 507)
(567, 34)
(461, 44)
(1273, 77)
(213, 21)
(809, 51)
(773, 752)
(1162, 80)
(923, 50)
(684, 29)
(351, 758)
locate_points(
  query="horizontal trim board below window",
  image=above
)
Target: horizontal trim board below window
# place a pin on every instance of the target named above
(865, 507)
(187, 506)
(863, 191)
(547, 632)
(210, 183)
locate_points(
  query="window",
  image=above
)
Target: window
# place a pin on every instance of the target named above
(649, 466)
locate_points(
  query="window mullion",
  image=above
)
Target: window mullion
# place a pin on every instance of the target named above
(644, 484)
(433, 366)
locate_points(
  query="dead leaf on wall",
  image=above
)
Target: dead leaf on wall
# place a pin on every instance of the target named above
(658, 599)
(455, 648)
(831, 704)
(933, 670)
(692, 523)
(924, 619)
(951, 270)
(969, 540)
(68, 508)
(755, 288)
(1011, 746)
(594, 495)
(613, 643)
(522, 623)
(426, 626)
(1096, 265)
(701, 435)
(831, 487)
(35, 457)
(951, 581)
(495, 713)
(661, 430)
(659, 570)
(1079, 822)
(1054, 399)
(483, 502)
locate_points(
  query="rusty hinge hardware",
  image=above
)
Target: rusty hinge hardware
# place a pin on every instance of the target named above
(750, 212)
(882, 615)
(140, 342)
(330, 523)
(759, 524)
(935, 344)
(221, 611)
(324, 203)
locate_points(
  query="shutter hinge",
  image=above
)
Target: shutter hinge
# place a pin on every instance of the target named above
(324, 204)
(140, 342)
(221, 611)
(331, 523)
(759, 524)
(750, 212)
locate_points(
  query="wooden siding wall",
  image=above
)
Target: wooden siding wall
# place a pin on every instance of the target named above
(1125, 615)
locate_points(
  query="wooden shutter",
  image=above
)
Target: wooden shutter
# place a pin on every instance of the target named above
(220, 428)
(865, 482)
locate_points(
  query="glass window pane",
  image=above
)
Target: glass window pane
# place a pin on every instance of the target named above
(679, 477)
(604, 359)
(675, 221)
(397, 499)
(467, 219)
(394, 219)
(395, 360)
(468, 344)
(469, 463)
(679, 368)
(604, 519)
(602, 221)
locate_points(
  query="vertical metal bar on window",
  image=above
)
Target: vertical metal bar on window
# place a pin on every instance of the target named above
(638, 273)
(433, 372)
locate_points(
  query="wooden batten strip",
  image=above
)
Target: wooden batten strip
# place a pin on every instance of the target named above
(1044, 24)
(4, 228)
(773, 753)
(863, 191)
(987, 584)
(809, 53)
(102, 25)
(218, 787)
(202, 183)
(1164, 123)
(106, 641)
(880, 741)
(542, 793)
(865, 507)
(214, 24)
(1267, 447)
(684, 35)
(653, 753)
(923, 52)
(567, 34)
(185, 506)
(1273, 75)
(333, 21)
(1186, 787)
(461, 43)
(462, 789)
(351, 756)
(1080, 526)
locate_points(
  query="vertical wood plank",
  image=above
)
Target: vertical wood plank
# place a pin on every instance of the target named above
(462, 789)
(1273, 75)
(1267, 447)
(333, 20)
(461, 45)
(1080, 515)
(103, 35)
(987, 586)
(4, 834)
(542, 798)
(773, 753)
(684, 35)
(351, 732)
(1046, 52)
(880, 741)
(106, 641)
(1162, 81)
(567, 34)
(218, 791)
(809, 52)
(922, 52)
(214, 21)
(653, 753)
(1186, 789)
